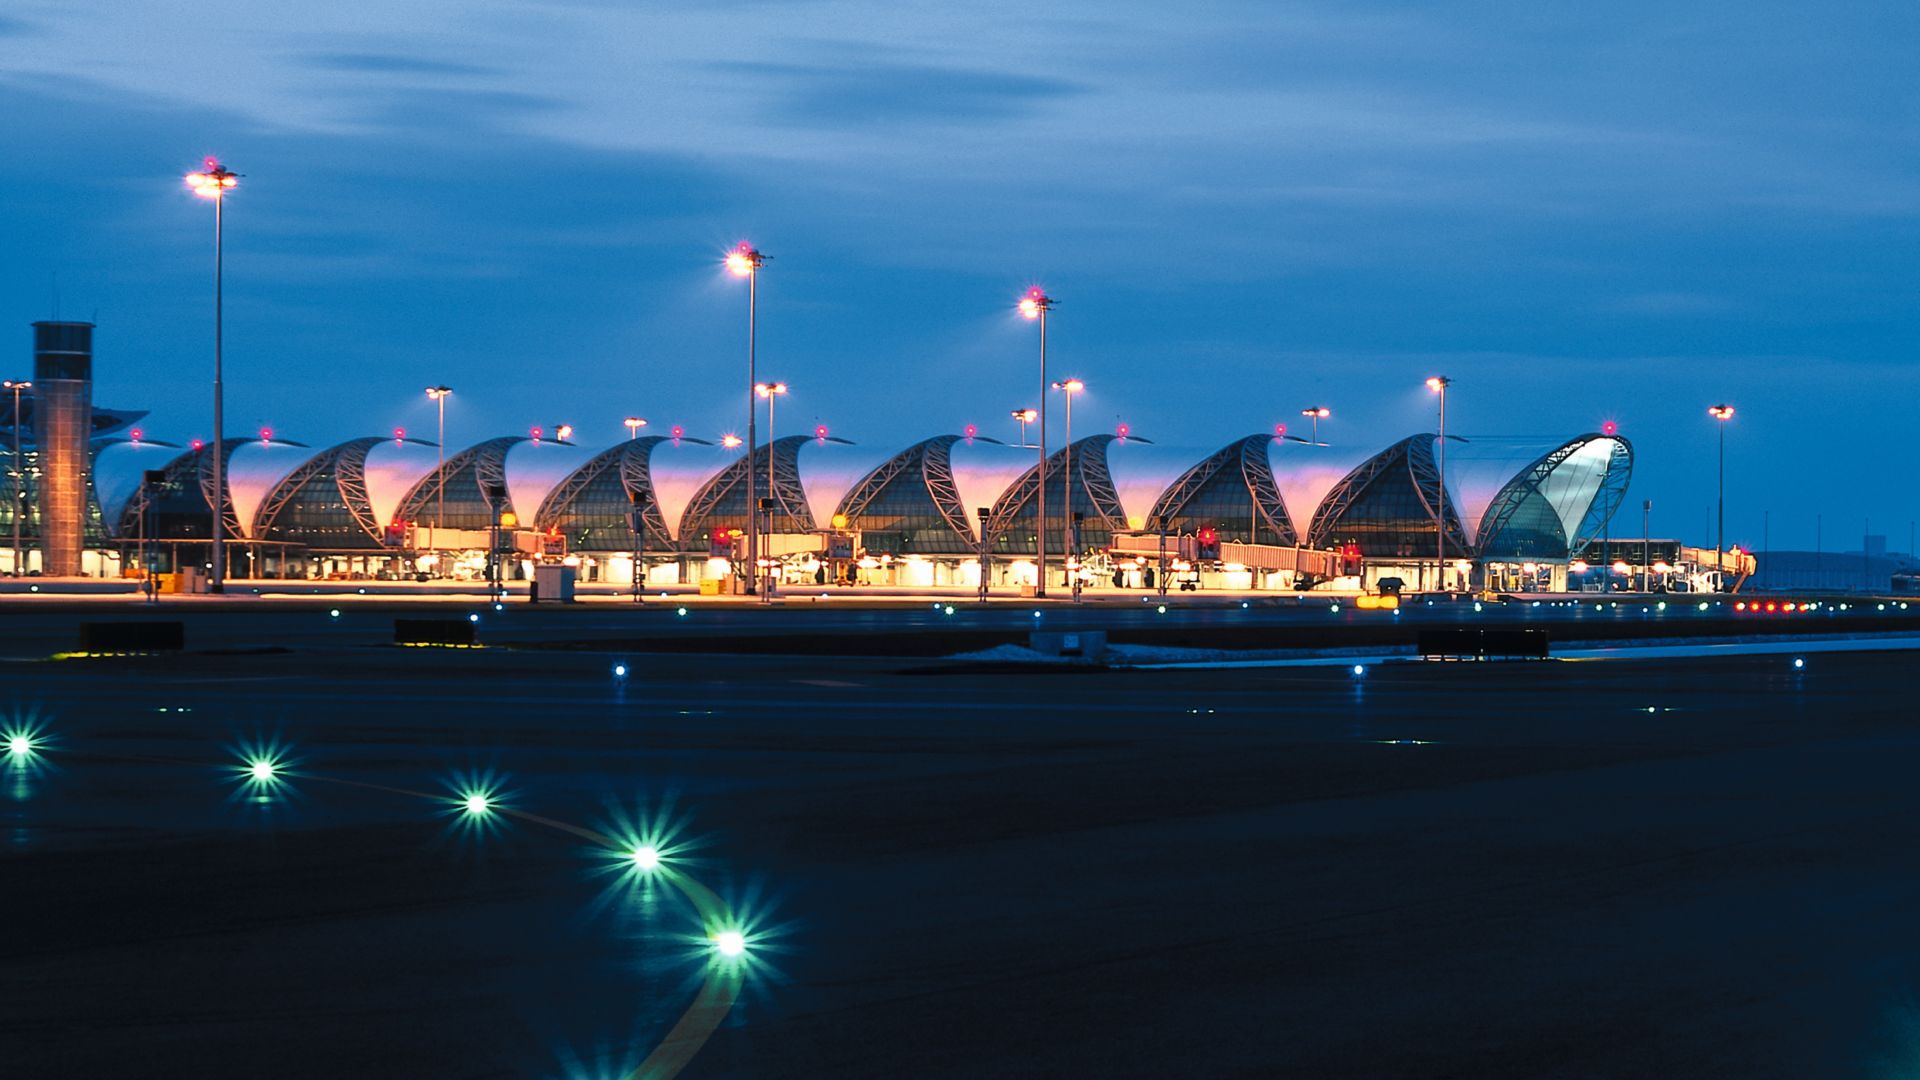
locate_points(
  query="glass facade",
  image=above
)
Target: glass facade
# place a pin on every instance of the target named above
(1226, 503)
(1537, 504)
(316, 514)
(1016, 535)
(903, 519)
(465, 506)
(722, 504)
(597, 516)
(1379, 507)
(178, 508)
(20, 497)
(1558, 503)
(1532, 532)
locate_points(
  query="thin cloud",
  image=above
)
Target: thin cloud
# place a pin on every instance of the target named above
(390, 64)
(893, 93)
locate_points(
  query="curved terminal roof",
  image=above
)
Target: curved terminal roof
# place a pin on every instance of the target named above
(117, 471)
(1304, 473)
(1576, 482)
(1478, 468)
(679, 468)
(254, 469)
(1536, 492)
(983, 471)
(535, 467)
(393, 467)
(829, 469)
(1142, 471)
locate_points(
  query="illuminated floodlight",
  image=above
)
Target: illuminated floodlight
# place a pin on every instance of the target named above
(731, 441)
(473, 618)
(1359, 671)
(645, 858)
(730, 943)
(213, 181)
(1799, 663)
(743, 260)
(333, 613)
(619, 671)
(478, 802)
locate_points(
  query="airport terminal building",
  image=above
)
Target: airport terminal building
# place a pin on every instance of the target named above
(1513, 515)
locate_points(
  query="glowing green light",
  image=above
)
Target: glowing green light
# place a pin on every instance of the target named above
(645, 857)
(261, 770)
(730, 943)
(19, 745)
(477, 803)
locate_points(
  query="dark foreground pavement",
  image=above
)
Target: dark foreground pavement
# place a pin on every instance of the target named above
(1569, 869)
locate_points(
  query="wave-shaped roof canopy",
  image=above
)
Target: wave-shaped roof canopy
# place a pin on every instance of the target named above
(1538, 497)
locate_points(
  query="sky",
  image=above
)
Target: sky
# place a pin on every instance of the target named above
(1580, 213)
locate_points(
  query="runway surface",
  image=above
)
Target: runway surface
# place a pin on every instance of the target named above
(1685, 866)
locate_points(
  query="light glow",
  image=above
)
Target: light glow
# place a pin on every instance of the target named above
(744, 261)
(213, 180)
(730, 943)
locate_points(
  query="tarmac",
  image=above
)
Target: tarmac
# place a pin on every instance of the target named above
(1689, 866)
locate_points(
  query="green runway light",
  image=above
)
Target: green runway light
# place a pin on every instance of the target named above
(260, 769)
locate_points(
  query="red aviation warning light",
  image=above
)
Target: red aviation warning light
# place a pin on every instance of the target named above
(1351, 560)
